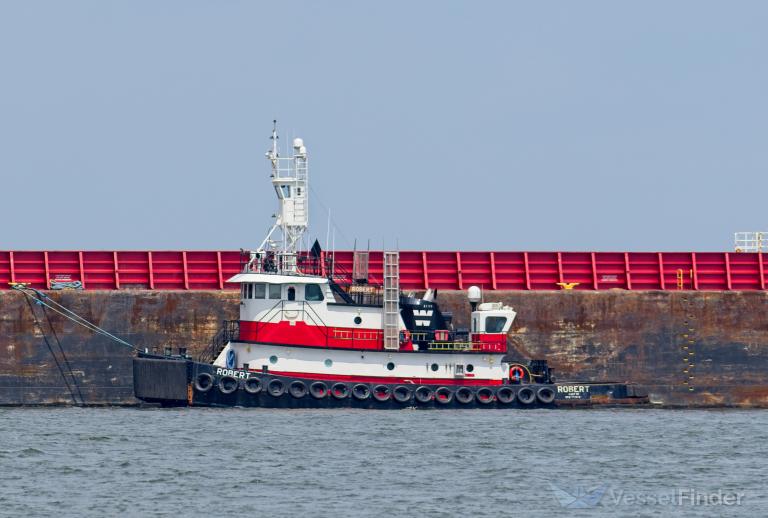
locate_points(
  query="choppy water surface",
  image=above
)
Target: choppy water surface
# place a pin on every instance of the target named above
(130, 462)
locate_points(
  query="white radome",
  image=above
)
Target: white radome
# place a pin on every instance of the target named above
(474, 294)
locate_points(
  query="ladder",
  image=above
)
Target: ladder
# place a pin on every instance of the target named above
(391, 306)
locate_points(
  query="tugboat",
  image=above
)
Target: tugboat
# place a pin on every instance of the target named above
(310, 336)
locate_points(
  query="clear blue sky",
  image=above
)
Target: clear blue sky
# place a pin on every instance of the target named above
(442, 125)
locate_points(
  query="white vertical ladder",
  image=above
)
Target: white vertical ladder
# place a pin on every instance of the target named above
(391, 306)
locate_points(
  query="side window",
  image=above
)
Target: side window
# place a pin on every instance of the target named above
(250, 291)
(274, 291)
(313, 293)
(286, 191)
(259, 291)
(495, 324)
(291, 293)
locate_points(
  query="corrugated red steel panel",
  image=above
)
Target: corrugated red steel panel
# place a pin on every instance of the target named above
(5, 268)
(510, 270)
(209, 270)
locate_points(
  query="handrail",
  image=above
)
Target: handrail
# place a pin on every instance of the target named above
(462, 346)
(264, 320)
(323, 327)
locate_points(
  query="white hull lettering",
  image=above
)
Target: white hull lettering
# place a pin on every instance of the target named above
(571, 389)
(230, 372)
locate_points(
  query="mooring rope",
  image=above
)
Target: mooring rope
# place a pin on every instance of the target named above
(50, 349)
(42, 299)
(64, 356)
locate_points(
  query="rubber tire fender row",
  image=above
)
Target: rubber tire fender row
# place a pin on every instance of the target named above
(546, 395)
(297, 389)
(276, 388)
(252, 385)
(424, 394)
(340, 391)
(361, 392)
(464, 395)
(485, 395)
(402, 394)
(443, 395)
(318, 390)
(203, 382)
(526, 395)
(505, 395)
(228, 384)
(382, 393)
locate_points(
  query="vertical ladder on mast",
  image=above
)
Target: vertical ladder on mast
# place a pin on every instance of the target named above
(391, 306)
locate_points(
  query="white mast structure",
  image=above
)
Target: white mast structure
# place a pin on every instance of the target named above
(290, 180)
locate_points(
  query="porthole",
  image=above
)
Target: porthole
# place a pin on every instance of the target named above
(358, 320)
(434, 367)
(273, 359)
(328, 362)
(390, 366)
(470, 367)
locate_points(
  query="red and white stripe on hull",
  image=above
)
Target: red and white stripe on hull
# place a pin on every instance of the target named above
(384, 366)
(304, 334)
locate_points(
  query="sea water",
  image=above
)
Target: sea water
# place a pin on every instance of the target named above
(357, 463)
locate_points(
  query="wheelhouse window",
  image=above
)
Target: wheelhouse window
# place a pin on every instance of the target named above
(274, 291)
(259, 291)
(313, 293)
(291, 293)
(250, 291)
(286, 189)
(495, 324)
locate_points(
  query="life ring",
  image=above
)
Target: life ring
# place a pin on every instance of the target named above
(297, 389)
(340, 391)
(252, 385)
(516, 373)
(505, 395)
(227, 384)
(276, 388)
(361, 392)
(443, 395)
(402, 394)
(382, 393)
(546, 395)
(424, 394)
(526, 395)
(485, 395)
(464, 395)
(318, 390)
(203, 382)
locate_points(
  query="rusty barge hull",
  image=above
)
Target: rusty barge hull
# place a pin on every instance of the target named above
(686, 348)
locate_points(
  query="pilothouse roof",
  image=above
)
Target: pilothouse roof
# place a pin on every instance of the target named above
(274, 278)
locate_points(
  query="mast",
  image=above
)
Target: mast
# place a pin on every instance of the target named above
(290, 179)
